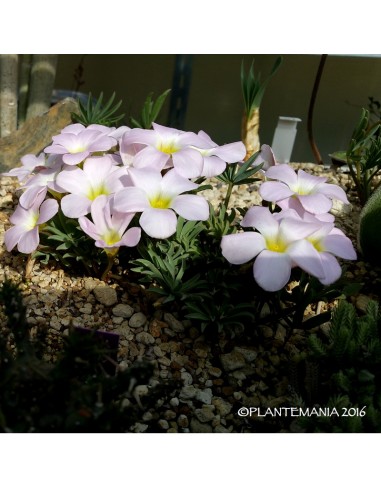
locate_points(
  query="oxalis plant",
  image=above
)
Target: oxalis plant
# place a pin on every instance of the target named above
(99, 193)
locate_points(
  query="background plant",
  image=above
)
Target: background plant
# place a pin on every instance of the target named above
(364, 156)
(344, 371)
(253, 89)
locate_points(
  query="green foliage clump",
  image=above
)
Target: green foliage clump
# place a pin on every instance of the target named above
(253, 88)
(348, 372)
(97, 112)
(369, 229)
(364, 155)
(150, 111)
(77, 393)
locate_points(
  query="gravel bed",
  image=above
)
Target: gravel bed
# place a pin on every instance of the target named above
(211, 381)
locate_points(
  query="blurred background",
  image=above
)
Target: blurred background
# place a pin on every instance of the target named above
(209, 90)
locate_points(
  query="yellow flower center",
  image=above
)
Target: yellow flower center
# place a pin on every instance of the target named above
(316, 243)
(275, 244)
(99, 190)
(32, 221)
(160, 202)
(111, 237)
(77, 150)
(168, 147)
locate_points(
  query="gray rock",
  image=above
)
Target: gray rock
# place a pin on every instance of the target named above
(198, 427)
(174, 402)
(123, 310)
(163, 424)
(214, 372)
(35, 134)
(173, 323)
(232, 361)
(205, 396)
(105, 295)
(186, 378)
(223, 408)
(138, 427)
(183, 421)
(248, 354)
(169, 415)
(91, 283)
(187, 393)
(205, 414)
(137, 320)
(281, 333)
(145, 338)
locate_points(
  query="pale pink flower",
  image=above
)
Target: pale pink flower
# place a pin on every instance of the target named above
(24, 232)
(99, 176)
(329, 242)
(162, 148)
(312, 192)
(32, 165)
(159, 197)
(215, 157)
(75, 143)
(279, 246)
(109, 227)
(265, 156)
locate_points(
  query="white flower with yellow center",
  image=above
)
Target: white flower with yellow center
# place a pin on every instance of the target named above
(99, 176)
(162, 148)
(278, 246)
(26, 223)
(292, 190)
(159, 197)
(75, 143)
(109, 227)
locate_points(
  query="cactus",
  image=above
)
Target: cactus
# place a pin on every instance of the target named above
(369, 237)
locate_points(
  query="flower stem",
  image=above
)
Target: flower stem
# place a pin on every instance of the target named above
(228, 194)
(111, 256)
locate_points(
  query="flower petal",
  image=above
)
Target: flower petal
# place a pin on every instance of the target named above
(75, 206)
(73, 180)
(174, 184)
(266, 156)
(243, 247)
(232, 152)
(88, 227)
(291, 229)
(262, 219)
(131, 237)
(30, 195)
(47, 210)
(12, 236)
(74, 159)
(29, 241)
(272, 270)
(273, 191)
(305, 256)
(316, 203)
(158, 223)
(332, 269)
(284, 173)
(332, 191)
(191, 207)
(188, 162)
(150, 157)
(146, 179)
(213, 166)
(131, 199)
(340, 246)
